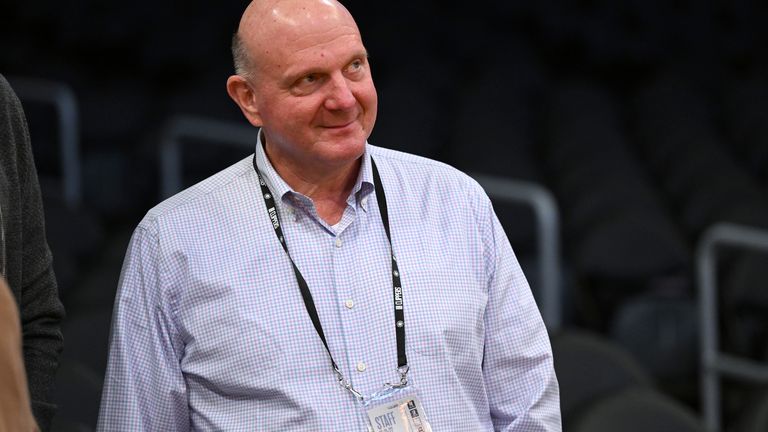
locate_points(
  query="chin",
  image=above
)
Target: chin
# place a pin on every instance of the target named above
(344, 152)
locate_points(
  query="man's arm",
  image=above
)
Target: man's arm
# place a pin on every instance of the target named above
(40, 309)
(519, 373)
(144, 389)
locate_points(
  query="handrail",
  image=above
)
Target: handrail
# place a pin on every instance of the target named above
(713, 362)
(221, 132)
(548, 237)
(64, 101)
(540, 199)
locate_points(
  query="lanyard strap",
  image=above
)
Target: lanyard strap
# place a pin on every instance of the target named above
(306, 295)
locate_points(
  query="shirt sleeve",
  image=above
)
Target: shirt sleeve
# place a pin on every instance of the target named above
(144, 389)
(518, 369)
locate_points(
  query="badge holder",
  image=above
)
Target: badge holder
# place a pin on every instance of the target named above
(397, 408)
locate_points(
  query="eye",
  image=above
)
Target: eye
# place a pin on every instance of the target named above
(306, 84)
(355, 66)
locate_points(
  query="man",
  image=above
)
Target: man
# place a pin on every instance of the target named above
(25, 260)
(323, 283)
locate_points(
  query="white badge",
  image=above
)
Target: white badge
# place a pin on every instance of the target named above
(403, 413)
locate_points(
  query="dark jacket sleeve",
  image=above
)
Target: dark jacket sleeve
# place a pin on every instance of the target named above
(28, 261)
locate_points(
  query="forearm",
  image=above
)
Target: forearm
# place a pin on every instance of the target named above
(41, 316)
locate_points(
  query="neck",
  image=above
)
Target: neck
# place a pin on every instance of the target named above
(328, 187)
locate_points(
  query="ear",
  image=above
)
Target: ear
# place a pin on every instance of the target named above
(241, 92)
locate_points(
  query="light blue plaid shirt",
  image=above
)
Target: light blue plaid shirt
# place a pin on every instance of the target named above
(210, 331)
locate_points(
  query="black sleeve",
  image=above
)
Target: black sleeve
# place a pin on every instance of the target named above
(29, 265)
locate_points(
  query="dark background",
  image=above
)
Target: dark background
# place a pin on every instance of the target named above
(647, 119)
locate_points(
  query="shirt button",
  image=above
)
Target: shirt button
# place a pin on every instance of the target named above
(338, 242)
(349, 304)
(361, 367)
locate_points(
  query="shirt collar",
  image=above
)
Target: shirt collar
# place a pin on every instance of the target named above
(362, 188)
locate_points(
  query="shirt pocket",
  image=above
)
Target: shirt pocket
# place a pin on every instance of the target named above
(424, 332)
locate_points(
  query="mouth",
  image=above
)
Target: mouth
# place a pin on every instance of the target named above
(339, 126)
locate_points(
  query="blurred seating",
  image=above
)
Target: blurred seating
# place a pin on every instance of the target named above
(675, 123)
(77, 394)
(754, 417)
(745, 304)
(746, 115)
(590, 367)
(494, 132)
(620, 239)
(52, 111)
(718, 359)
(604, 192)
(661, 332)
(412, 106)
(638, 410)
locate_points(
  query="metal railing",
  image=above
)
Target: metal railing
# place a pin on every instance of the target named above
(542, 202)
(715, 363)
(178, 128)
(64, 102)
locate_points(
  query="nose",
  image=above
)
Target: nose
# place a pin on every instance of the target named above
(340, 96)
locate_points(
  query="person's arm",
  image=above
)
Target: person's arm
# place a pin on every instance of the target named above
(144, 389)
(15, 412)
(519, 373)
(39, 305)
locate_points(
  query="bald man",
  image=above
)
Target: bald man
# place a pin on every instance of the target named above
(323, 283)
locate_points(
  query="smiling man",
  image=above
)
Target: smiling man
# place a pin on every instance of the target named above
(324, 283)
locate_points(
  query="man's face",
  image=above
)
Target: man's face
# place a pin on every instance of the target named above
(315, 95)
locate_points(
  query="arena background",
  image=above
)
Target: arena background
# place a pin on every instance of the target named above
(646, 120)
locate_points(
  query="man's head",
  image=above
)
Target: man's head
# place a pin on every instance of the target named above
(303, 76)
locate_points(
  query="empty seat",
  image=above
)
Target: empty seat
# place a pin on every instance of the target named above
(676, 125)
(662, 334)
(754, 417)
(613, 219)
(637, 410)
(746, 114)
(590, 367)
(745, 304)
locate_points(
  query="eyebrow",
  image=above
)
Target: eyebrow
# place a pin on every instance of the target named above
(291, 78)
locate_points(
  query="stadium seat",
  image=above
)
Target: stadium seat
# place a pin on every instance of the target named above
(590, 367)
(637, 410)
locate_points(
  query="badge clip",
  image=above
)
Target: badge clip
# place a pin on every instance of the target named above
(345, 384)
(403, 372)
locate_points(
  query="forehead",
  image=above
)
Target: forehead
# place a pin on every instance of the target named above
(297, 48)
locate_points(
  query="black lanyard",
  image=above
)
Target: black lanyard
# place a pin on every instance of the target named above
(309, 303)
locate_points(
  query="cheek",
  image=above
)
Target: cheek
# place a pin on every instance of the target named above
(369, 100)
(369, 91)
(293, 118)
